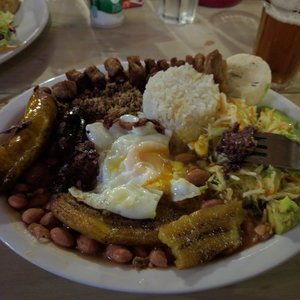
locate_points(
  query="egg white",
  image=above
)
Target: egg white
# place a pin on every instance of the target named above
(135, 172)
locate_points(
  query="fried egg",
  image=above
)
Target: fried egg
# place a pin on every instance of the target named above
(135, 172)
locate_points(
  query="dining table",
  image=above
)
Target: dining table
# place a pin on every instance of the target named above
(69, 41)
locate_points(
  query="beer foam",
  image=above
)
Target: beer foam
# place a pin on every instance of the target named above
(284, 11)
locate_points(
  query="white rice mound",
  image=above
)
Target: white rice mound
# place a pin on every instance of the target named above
(182, 99)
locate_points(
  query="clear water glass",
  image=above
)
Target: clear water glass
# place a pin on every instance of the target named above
(178, 11)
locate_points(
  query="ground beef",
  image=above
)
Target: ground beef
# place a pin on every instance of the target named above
(115, 100)
(236, 144)
(77, 158)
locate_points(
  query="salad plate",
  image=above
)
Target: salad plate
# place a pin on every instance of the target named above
(30, 21)
(97, 273)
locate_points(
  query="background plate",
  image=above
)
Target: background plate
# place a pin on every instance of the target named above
(30, 21)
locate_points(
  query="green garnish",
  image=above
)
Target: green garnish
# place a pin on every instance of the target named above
(6, 28)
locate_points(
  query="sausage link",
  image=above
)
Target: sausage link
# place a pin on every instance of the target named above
(118, 254)
(32, 215)
(40, 232)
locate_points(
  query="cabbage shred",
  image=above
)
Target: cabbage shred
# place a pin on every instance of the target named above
(6, 28)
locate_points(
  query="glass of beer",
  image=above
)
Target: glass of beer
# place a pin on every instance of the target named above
(278, 40)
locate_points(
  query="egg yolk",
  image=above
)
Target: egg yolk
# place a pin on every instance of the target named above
(149, 162)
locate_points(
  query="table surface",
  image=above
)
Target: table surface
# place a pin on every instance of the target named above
(69, 42)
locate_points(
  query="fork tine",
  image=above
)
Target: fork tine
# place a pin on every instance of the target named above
(256, 159)
(260, 136)
(262, 146)
(277, 150)
(260, 151)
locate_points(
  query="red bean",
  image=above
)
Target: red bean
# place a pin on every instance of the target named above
(125, 125)
(264, 231)
(39, 199)
(35, 174)
(197, 176)
(185, 157)
(250, 236)
(118, 254)
(140, 251)
(211, 203)
(87, 245)
(49, 220)
(32, 215)
(41, 233)
(158, 258)
(18, 201)
(48, 205)
(62, 237)
(22, 188)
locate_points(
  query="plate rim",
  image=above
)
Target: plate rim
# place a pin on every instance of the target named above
(5, 56)
(142, 281)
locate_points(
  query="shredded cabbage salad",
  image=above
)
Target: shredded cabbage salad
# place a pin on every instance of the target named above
(6, 28)
(255, 185)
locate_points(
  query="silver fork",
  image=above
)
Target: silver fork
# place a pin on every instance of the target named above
(276, 150)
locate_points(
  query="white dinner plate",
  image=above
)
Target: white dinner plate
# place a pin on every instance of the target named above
(30, 20)
(94, 272)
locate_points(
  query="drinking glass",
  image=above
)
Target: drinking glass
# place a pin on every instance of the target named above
(218, 3)
(178, 11)
(278, 40)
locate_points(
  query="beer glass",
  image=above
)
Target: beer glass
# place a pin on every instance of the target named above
(278, 39)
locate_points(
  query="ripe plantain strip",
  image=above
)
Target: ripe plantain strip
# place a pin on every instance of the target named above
(110, 228)
(200, 236)
(26, 144)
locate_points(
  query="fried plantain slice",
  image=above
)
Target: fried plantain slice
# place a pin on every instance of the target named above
(202, 235)
(107, 227)
(26, 144)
